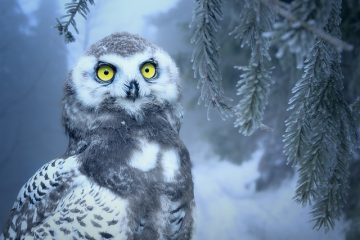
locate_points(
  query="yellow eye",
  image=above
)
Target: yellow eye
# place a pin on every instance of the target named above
(105, 73)
(148, 70)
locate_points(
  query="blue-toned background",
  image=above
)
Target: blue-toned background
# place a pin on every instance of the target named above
(231, 201)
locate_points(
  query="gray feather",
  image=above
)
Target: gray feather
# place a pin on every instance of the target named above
(94, 191)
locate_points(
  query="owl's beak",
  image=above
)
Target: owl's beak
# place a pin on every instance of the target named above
(132, 92)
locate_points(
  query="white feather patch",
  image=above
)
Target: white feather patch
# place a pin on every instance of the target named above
(145, 159)
(89, 91)
(12, 233)
(170, 163)
(23, 225)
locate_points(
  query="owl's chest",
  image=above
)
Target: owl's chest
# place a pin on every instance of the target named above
(133, 165)
(152, 158)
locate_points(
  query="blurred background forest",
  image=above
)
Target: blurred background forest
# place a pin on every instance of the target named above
(243, 186)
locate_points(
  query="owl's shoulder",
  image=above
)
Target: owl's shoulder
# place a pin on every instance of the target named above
(40, 194)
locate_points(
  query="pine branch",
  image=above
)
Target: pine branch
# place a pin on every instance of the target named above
(72, 9)
(254, 85)
(205, 57)
(320, 33)
(253, 91)
(333, 198)
(292, 37)
(320, 130)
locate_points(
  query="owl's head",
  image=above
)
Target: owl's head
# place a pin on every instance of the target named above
(126, 72)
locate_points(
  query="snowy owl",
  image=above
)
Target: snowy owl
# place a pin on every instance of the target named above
(126, 173)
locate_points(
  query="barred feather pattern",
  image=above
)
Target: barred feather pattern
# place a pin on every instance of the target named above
(39, 196)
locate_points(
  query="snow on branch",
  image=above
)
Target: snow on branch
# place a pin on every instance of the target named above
(320, 130)
(291, 37)
(253, 86)
(280, 8)
(205, 57)
(72, 9)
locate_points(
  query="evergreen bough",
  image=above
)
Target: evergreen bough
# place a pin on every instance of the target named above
(205, 57)
(320, 130)
(72, 8)
(253, 86)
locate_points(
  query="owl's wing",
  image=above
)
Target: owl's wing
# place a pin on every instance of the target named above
(178, 203)
(39, 196)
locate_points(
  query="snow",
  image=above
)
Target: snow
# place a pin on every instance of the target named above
(227, 206)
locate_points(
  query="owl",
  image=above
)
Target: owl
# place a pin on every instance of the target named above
(126, 173)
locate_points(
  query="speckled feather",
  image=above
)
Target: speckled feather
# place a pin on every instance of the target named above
(101, 188)
(123, 44)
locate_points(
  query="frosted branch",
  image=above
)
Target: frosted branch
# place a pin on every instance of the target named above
(280, 9)
(72, 9)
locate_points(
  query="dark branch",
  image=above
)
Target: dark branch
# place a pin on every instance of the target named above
(72, 9)
(279, 9)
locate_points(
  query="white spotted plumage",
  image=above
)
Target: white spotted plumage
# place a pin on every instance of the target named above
(37, 191)
(84, 209)
(87, 211)
(126, 174)
(46, 179)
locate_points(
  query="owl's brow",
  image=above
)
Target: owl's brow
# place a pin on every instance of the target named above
(101, 63)
(151, 60)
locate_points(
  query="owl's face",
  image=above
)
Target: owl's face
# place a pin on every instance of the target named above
(127, 72)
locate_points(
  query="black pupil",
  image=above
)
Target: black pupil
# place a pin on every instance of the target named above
(106, 72)
(147, 70)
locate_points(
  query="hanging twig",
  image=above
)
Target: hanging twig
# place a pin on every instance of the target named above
(205, 57)
(72, 9)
